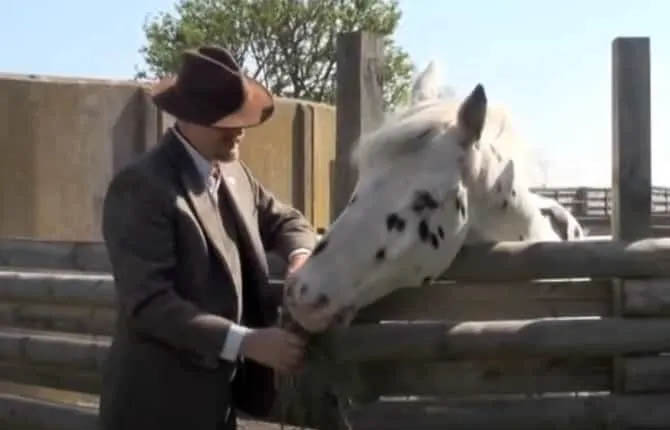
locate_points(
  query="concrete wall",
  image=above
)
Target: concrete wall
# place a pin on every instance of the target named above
(62, 140)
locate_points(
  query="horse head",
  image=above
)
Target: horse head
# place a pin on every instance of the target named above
(438, 173)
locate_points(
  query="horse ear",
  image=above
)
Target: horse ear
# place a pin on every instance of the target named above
(505, 181)
(471, 115)
(425, 87)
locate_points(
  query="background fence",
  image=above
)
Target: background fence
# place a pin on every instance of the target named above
(593, 207)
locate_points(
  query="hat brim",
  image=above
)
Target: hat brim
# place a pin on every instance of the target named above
(256, 108)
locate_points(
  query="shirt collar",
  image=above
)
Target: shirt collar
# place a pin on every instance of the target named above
(203, 165)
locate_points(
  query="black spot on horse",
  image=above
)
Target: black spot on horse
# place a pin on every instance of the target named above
(344, 314)
(425, 133)
(424, 233)
(433, 241)
(440, 231)
(558, 219)
(460, 207)
(338, 318)
(496, 153)
(289, 290)
(321, 301)
(424, 200)
(393, 221)
(381, 254)
(320, 247)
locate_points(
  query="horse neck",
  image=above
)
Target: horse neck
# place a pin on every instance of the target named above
(519, 219)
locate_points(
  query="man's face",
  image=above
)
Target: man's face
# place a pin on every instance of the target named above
(216, 143)
(226, 143)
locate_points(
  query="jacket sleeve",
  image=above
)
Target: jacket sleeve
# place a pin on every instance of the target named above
(138, 221)
(283, 228)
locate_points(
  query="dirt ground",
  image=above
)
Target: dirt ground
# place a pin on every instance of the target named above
(89, 400)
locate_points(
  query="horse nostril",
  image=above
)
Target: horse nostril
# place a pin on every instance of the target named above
(321, 301)
(289, 288)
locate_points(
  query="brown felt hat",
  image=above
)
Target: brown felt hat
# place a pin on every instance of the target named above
(211, 90)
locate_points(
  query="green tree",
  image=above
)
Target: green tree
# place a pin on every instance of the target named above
(288, 45)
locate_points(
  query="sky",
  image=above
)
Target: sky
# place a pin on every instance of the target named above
(548, 63)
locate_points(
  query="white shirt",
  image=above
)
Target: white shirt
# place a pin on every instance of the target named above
(236, 332)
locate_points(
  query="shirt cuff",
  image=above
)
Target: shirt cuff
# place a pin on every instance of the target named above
(231, 347)
(298, 251)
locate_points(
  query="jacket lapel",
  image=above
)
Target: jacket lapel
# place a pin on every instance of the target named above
(203, 206)
(247, 232)
(260, 305)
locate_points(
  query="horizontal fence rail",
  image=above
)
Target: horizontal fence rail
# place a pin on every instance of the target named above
(640, 412)
(481, 262)
(489, 281)
(506, 261)
(75, 256)
(571, 337)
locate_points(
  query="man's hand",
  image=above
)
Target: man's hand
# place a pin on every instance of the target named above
(275, 348)
(296, 262)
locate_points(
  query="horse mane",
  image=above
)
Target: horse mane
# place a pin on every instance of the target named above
(399, 133)
(409, 130)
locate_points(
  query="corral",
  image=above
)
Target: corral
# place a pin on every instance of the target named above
(515, 335)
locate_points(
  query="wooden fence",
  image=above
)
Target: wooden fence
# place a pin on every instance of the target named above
(593, 207)
(598, 201)
(503, 329)
(515, 335)
(510, 336)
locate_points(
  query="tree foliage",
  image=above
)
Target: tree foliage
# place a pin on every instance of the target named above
(288, 45)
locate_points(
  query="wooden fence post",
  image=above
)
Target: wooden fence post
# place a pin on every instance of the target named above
(631, 155)
(631, 139)
(359, 104)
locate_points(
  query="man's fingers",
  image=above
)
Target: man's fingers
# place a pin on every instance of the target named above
(293, 355)
(295, 340)
(292, 365)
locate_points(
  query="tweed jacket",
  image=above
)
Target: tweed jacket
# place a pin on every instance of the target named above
(184, 271)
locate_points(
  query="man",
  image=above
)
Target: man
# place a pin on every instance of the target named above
(186, 227)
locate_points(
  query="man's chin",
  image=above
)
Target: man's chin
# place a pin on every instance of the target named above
(231, 154)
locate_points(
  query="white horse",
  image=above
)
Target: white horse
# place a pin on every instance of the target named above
(431, 178)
